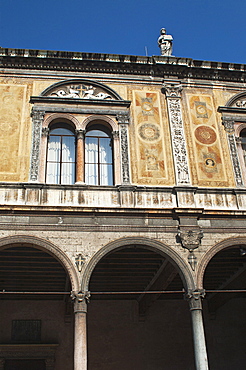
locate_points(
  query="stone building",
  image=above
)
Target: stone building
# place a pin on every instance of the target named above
(122, 212)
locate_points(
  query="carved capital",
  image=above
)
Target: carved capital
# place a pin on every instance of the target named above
(195, 298)
(37, 114)
(172, 90)
(190, 238)
(45, 131)
(123, 118)
(116, 134)
(80, 134)
(228, 126)
(80, 301)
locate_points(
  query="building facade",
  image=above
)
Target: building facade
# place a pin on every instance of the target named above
(122, 212)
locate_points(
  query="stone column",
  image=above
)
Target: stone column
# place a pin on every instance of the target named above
(173, 96)
(200, 350)
(116, 157)
(80, 339)
(80, 166)
(230, 131)
(37, 121)
(123, 120)
(43, 153)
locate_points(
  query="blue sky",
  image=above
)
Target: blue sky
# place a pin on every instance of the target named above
(202, 29)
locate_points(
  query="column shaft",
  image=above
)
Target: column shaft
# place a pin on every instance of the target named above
(80, 341)
(200, 351)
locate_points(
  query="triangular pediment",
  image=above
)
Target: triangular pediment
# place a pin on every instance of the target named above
(80, 89)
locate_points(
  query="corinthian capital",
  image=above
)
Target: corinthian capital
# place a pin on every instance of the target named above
(172, 90)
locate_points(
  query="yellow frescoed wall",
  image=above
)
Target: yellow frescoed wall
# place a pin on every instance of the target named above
(150, 140)
(207, 144)
(15, 131)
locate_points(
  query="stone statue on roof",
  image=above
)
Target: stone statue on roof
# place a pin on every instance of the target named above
(165, 43)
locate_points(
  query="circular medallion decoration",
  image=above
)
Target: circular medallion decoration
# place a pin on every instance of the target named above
(149, 132)
(205, 135)
(147, 106)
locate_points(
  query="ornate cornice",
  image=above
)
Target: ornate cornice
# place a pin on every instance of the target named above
(121, 64)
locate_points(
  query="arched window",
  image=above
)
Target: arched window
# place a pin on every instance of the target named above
(243, 143)
(60, 167)
(98, 156)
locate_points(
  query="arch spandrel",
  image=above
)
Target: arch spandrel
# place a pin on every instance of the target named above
(154, 245)
(224, 244)
(48, 247)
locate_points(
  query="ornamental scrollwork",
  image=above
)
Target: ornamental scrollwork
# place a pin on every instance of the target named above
(178, 141)
(37, 120)
(124, 154)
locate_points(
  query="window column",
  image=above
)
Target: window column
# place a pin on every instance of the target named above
(80, 168)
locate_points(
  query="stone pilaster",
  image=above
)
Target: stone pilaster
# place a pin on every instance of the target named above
(173, 96)
(123, 120)
(37, 120)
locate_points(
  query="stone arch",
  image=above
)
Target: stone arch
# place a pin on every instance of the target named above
(107, 119)
(61, 116)
(224, 244)
(49, 247)
(234, 98)
(150, 244)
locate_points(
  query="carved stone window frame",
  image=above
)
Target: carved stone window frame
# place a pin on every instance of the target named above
(48, 108)
(233, 116)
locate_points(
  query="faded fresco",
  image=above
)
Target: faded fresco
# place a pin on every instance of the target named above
(151, 161)
(14, 133)
(208, 167)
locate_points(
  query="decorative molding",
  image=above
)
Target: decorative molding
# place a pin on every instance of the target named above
(37, 120)
(173, 94)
